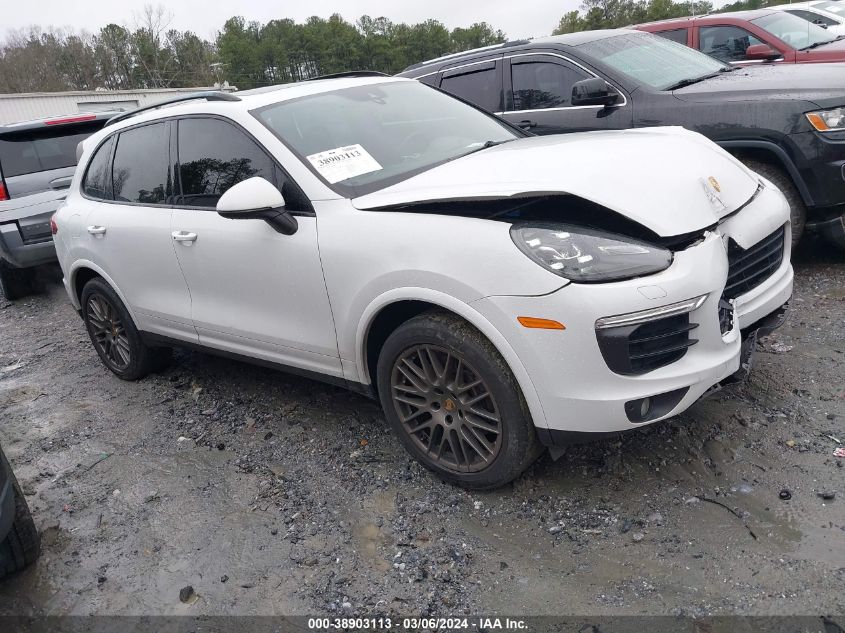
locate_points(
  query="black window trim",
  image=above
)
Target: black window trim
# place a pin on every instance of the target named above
(277, 168)
(509, 101)
(685, 29)
(495, 63)
(108, 184)
(173, 154)
(116, 135)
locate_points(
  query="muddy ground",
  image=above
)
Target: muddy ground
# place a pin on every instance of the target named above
(271, 494)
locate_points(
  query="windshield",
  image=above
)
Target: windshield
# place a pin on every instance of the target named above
(651, 60)
(366, 138)
(792, 30)
(836, 7)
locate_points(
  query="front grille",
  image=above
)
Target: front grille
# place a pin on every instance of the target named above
(638, 349)
(748, 268)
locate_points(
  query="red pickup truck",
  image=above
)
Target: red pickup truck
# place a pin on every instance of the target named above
(753, 37)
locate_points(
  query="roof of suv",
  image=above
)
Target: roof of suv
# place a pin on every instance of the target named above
(249, 99)
(569, 39)
(739, 16)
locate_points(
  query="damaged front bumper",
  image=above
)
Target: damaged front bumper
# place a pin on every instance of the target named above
(583, 393)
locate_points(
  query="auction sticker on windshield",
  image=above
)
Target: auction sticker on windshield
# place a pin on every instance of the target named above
(343, 163)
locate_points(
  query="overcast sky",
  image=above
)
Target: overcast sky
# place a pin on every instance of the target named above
(518, 19)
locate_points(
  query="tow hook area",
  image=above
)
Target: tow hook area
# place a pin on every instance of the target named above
(750, 336)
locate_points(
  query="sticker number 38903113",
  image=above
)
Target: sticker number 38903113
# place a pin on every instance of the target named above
(343, 163)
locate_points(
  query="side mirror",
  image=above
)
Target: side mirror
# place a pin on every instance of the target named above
(593, 91)
(820, 23)
(256, 199)
(762, 52)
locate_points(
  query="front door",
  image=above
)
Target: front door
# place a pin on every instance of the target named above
(540, 97)
(254, 291)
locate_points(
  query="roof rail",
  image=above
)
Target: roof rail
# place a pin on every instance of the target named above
(492, 47)
(350, 73)
(208, 95)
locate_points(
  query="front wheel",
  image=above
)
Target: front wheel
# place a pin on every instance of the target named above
(782, 180)
(115, 337)
(454, 403)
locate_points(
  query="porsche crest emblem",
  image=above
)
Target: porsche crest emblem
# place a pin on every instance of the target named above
(715, 184)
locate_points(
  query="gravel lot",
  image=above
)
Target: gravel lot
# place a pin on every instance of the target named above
(271, 494)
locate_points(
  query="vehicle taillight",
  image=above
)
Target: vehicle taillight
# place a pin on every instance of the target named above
(54, 228)
(4, 195)
(71, 119)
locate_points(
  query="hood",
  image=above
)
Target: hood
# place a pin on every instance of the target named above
(667, 179)
(765, 82)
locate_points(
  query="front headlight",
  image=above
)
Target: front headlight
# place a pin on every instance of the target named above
(828, 120)
(586, 256)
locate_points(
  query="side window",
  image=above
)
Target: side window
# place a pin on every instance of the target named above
(96, 183)
(726, 43)
(139, 172)
(479, 85)
(538, 85)
(676, 35)
(214, 156)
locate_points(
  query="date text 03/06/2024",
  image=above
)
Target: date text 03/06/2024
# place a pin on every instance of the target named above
(416, 624)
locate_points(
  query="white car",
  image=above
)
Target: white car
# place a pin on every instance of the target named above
(829, 14)
(497, 292)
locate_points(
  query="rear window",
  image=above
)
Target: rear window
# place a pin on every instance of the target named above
(31, 151)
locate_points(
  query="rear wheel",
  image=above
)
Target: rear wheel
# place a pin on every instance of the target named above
(797, 208)
(16, 283)
(454, 403)
(22, 544)
(115, 337)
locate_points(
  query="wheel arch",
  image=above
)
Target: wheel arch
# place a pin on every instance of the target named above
(84, 271)
(768, 152)
(388, 311)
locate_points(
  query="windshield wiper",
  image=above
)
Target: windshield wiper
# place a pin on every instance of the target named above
(486, 145)
(817, 44)
(683, 83)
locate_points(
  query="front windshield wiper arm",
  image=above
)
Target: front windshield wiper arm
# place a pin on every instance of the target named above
(817, 44)
(683, 83)
(486, 145)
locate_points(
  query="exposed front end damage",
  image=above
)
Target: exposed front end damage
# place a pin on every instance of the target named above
(670, 338)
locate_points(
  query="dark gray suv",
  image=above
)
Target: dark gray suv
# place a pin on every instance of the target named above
(37, 160)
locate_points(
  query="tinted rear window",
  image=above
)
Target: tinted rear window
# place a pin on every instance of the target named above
(139, 169)
(42, 149)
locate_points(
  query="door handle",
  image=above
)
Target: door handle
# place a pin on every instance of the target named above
(97, 230)
(526, 124)
(184, 236)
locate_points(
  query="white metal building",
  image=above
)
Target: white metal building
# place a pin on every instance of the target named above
(37, 105)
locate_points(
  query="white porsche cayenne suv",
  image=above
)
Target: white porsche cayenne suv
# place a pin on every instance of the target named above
(497, 292)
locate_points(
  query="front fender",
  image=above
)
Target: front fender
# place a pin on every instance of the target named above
(465, 311)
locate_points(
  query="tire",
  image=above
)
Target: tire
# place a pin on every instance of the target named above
(448, 418)
(114, 335)
(22, 544)
(16, 283)
(782, 180)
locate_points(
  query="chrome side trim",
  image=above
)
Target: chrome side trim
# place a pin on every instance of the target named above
(643, 316)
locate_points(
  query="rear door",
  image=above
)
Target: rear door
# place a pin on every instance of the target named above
(125, 213)
(478, 82)
(539, 98)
